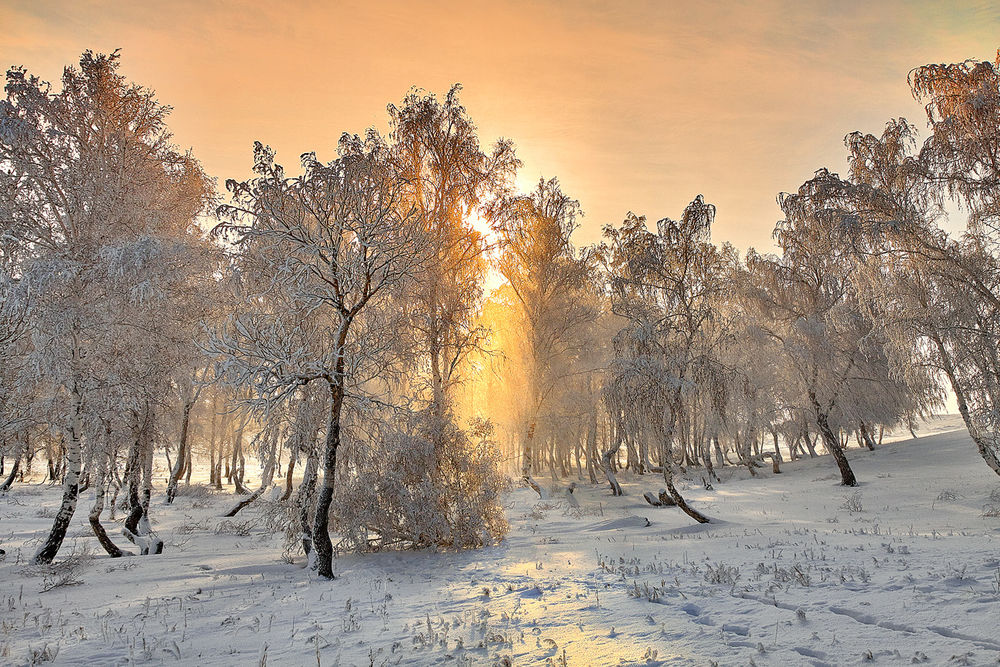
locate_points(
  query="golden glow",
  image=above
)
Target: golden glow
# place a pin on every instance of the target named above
(481, 225)
(634, 106)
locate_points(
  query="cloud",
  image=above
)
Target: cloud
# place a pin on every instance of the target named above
(635, 106)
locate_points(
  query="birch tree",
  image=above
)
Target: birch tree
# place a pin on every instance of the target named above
(548, 278)
(935, 296)
(334, 243)
(809, 304)
(98, 195)
(448, 176)
(665, 284)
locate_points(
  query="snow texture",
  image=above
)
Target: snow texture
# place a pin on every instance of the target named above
(794, 569)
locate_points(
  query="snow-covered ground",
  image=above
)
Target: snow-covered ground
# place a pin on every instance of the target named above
(794, 570)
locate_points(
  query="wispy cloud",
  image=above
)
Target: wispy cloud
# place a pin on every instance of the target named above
(636, 106)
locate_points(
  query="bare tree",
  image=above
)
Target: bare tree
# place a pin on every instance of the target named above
(334, 242)
(666, 285)
(98, 198)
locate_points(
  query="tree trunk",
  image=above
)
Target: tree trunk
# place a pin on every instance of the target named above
(631, 453)
(213, 472)
(288, 477)
(608, 457)
(795, 450)
(140, 487)
(706, 456)
(304, 499)
(13, 473)
(238, 468)
(592, 448)
(267, 476)
(188, 465)
(720, 457)
(182, 458)
(321, 520)
(667, 462)
(777, 451)
(832, 445)
(211, 464)
(74, 460)
(986, 449)
(551, 449)
(866, 435)
(95, 515)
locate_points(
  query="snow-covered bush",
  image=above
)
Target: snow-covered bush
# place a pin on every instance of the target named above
(424, 482)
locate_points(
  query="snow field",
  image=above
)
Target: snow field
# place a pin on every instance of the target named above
(793, 570)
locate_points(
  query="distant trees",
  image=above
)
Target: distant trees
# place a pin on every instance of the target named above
(549, 280)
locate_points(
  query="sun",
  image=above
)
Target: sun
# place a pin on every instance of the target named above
(482, 225)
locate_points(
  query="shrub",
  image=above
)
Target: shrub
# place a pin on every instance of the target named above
(424, 482)
(852, 503)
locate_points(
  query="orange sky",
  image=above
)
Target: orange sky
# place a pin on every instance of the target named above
(634, 105)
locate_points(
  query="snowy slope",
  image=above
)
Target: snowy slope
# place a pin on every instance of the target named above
(794, 570)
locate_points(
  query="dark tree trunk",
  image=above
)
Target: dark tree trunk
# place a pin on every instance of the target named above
(266, 478)
(832, 444)
(810, 444)
(245, 502)
(13, 473)
(140, 487)
(777, 451)
(866, 435)
(321, 521)
(95, 516)
(666, 437)
(288, 477)
(238, 463)
(322, 546)
(71, 487)
(592, 449)
(182, 458)
(608, 458)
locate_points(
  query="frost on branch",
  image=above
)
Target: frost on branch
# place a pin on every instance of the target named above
(405, 493)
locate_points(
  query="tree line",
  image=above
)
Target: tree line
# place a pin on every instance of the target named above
(334, 326)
